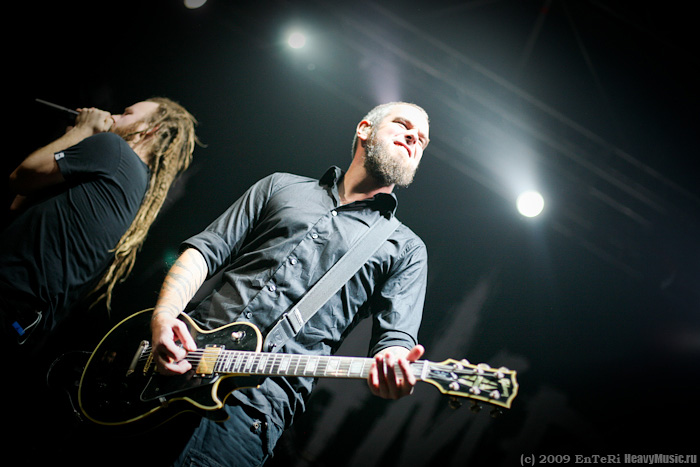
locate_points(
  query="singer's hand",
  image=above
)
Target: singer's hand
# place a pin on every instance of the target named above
(96, 120)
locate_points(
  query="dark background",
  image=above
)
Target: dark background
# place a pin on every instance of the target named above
(594, 303)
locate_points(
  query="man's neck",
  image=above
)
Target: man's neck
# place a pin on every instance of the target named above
(357, 185)
(143, 150)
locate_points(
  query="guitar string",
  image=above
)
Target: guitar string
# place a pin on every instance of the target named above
(240, 359)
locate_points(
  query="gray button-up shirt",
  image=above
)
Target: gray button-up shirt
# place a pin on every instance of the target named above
(276, 241)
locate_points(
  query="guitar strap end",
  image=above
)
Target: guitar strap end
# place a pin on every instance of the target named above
(289, 325)
(295, 320)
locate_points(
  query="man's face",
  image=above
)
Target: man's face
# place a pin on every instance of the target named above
(395, 146)
(133, 120)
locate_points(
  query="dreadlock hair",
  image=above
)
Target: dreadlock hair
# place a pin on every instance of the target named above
(170, 153)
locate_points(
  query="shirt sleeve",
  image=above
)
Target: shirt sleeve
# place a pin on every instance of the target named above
(397, 307)
(223, 238)
(95, 156)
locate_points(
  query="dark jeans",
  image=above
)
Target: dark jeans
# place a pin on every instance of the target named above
(244, 440)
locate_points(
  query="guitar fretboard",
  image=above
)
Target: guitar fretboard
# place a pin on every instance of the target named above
(234, 362)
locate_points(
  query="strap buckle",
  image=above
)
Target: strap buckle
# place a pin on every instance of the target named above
(294, 319)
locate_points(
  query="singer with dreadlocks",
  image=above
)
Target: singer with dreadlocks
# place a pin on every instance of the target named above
(84, 205)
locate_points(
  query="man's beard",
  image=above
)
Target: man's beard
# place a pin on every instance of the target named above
(128, 132)
(384, 167)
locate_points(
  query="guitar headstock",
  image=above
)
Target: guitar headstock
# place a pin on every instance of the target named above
(496, 386)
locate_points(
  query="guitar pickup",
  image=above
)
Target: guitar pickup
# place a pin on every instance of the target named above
(207, 362)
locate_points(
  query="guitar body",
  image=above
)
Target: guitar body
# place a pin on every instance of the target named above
(120, 384)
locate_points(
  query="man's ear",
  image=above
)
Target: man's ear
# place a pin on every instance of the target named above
(151, 131)
(364, 129)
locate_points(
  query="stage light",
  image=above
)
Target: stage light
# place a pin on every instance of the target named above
(194, 4)
(296, 40)
(530, 204)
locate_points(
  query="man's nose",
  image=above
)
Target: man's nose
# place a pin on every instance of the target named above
(411, 137)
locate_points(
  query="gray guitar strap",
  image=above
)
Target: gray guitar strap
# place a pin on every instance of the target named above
(292, 321)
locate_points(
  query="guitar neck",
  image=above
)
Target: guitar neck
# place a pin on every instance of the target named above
(480, 382)
(232, 362)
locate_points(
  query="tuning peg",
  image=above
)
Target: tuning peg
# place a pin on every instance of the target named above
(501, 372)
(454, 403)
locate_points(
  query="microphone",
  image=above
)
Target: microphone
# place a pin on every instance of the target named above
(56, 106)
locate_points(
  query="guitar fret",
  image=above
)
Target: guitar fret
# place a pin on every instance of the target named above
(238, 362)
(284, 364)
(332, 366)
(261, 364)
(296, 360)
(222, 364)
(276, 363)
(357, 367)
(302, 362)
(311, 365)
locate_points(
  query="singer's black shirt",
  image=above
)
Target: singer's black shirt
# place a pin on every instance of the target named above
(56, 250)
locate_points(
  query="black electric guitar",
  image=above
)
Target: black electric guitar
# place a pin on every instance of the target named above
(120, 385)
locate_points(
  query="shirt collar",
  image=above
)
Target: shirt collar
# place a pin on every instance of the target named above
(383, 202)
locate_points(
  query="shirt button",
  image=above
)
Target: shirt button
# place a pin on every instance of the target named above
(334, 213)
(292, 260)
(314, 235)
(248, 314)
(271, 287)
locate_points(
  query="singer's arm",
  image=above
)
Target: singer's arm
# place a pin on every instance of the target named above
(40, 170)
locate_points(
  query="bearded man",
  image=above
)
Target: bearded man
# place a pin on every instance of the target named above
(269, 248)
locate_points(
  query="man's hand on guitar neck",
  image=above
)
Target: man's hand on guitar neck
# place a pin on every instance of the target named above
(171, 343)
(385, 381)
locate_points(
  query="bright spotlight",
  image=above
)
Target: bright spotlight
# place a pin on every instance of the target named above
(530, 204)
(193, 4)
(296, 40)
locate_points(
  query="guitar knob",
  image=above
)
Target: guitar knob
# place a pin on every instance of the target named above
(237, 336)
(454, 403)
(475, 408)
